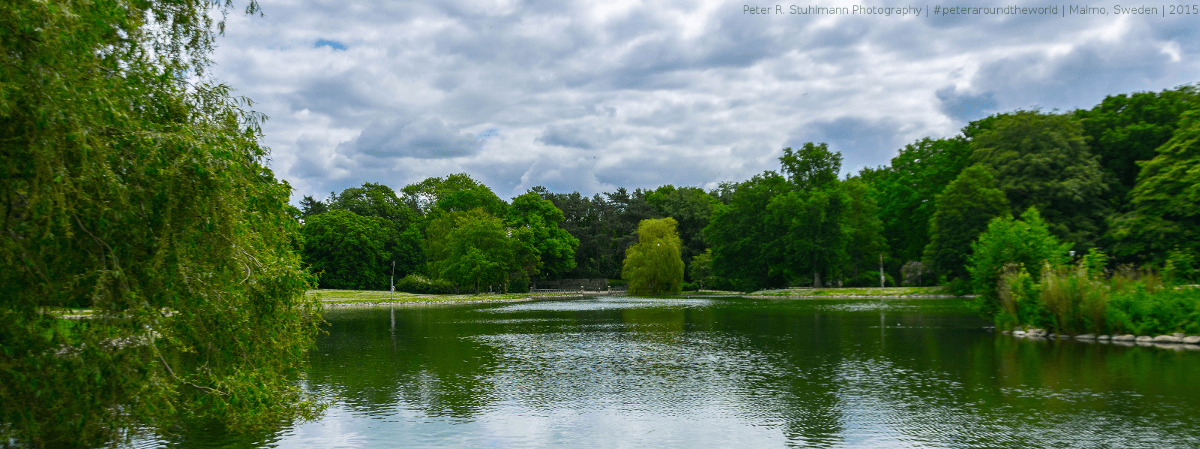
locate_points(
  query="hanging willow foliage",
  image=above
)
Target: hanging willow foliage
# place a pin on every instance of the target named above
(133, 186)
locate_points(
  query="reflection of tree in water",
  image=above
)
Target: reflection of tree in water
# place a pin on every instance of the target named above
(819, 374)
(424, 362)
(798, 392)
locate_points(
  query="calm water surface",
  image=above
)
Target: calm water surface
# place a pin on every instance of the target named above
(727, 372)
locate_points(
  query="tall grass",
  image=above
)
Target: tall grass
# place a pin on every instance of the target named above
(1083, 298)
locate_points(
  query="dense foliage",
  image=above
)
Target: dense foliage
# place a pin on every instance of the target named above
(1042, 160)
(963, 212)
(450, 231)
(1026, 243)
(654, 265)
(921, 218)
(1164, 216)
(133, 187)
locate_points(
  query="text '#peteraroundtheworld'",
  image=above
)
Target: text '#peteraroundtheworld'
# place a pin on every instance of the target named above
(835, 10)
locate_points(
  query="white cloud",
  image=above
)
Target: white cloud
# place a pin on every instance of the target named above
(590, 96)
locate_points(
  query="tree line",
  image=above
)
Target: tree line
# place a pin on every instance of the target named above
(1119, 178)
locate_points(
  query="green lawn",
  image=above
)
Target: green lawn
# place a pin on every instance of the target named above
(371, 296)
(861, 291)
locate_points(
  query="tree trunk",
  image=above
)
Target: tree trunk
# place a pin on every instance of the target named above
(816, 279)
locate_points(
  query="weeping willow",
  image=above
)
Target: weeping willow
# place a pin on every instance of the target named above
(654, 265)
(135, 187)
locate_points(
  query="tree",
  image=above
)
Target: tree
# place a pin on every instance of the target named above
(742, 237)
(964, 210)
(454, 193)
(374, 200)
(906, 191)
(310, 206)
(865, 242)
(402, 236)
(136, 187)
(810, 232)
(605, 226)
(692, 208)
(812, 166)
(1165, 203)
(479, 250)
(701, 269)
(1126, 129)
(810, 218)
(1042, 160)
(553, 245)
(653, 265)
(1026, 242)
(350, 251)
(589, 221)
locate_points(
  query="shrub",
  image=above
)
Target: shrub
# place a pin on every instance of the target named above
(1027, 242)
(421, 285)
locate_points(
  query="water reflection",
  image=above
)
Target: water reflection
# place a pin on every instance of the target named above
(719, 372)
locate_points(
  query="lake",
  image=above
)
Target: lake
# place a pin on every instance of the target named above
(726, 372)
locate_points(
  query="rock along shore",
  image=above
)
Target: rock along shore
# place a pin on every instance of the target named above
(1178, 341)
(853, 296)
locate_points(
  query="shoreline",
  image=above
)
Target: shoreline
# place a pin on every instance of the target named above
(341, 304)
(1177, 342)
(853, 296)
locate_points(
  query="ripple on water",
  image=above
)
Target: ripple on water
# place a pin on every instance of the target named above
(599, 303)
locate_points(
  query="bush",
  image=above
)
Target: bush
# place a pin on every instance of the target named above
(519, 283)
(870, 279)
(691, 287)
(1143, 311)
(1026, 242)
(1076, 299)
(424, 286)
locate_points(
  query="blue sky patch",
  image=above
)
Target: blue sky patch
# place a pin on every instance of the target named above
(331, 44)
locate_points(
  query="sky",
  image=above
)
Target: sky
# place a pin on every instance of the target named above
(591, 96)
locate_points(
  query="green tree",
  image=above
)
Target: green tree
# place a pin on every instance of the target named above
(136, 187)
(810, 233)
(374, 200)
(1165, 204)
(1027, 242)
(964, 210)
(809, 221)
(653, 265)
(907, 190)
(692, 208)
(310, 206)
(1042, 160)
(1127, 128)
(742, 236)
(812, 166)
(553, 245)
(350, 251)
(454, 193)
(403, 236)
(589, 221)
(479, 250)
(865, 242)
(701, 269)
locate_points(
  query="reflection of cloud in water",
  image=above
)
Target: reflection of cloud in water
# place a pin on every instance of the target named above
(601, 303)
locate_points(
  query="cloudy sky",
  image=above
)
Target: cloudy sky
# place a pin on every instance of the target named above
(589, 96)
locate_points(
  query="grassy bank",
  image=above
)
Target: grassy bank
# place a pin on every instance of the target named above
(1081, 299)
(859, 292)
(368, 297)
